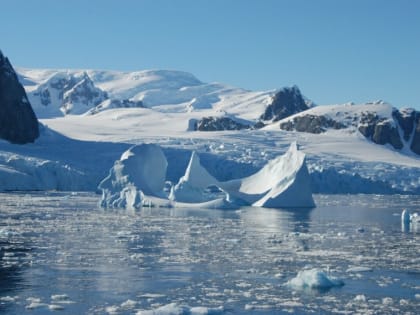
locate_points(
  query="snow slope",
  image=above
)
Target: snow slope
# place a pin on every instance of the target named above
(164, 90)
(75, 152)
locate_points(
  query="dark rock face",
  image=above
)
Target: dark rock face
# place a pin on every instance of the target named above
(286, 102)
(18, 123)
(115, 103)
(311, 124)
(218, 124)
(405, 118)
(379, 130)
(403, 127)
(415, 144)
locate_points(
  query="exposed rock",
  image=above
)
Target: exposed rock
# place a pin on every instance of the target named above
(286, 102)
(219, 123)
(380, 130)
(415, 144)
(259, 125)
(114, 103)
(18, 123)
(405, 118)
(311, 124)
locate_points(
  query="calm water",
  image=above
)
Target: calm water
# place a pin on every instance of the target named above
(60, 253)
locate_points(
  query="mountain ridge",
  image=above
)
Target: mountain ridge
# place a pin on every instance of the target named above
(213, 106)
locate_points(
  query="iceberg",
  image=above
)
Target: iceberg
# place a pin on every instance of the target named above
(140, 171)
(138, 179)
(314, 279)
(191, 187)
(283, 183)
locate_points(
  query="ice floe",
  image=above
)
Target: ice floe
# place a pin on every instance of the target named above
(175, 309)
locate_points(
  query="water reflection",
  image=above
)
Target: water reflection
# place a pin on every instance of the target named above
(277, 220)
(11, 269)
(200, 257)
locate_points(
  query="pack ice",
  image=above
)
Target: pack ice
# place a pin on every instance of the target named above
(138, 179)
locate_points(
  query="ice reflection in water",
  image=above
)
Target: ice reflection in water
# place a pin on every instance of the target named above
(60, 252)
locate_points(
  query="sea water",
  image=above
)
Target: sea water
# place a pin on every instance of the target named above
(60, 253)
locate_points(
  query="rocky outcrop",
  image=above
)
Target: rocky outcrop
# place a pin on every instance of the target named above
(406, 119)
(399, 128)
(18, 123)
(380, 130)
(114, 103)
(311, 124)
(286, 102)
(415, 143)
(218, 123)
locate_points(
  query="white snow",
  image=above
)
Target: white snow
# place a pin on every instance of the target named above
(314, 279)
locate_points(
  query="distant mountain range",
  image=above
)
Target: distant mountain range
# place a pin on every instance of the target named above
(56, 93)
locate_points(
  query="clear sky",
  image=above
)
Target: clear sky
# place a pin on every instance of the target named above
(336, 51)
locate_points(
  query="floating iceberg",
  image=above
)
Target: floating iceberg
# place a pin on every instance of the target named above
(192, 186)
(409, 221)
(283, 183)
(138, 179)
(314, 279)
(140, 171)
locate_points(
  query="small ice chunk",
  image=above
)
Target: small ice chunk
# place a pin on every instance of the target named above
(175, 309)
(55, 307)
(405, 217)
(129, 304)
(112, 310)
(8, 298)
(415, 217)
(359, 269)
(314, 279)
(387, 301)
(360, 298)
(34, 303)
(59, 297)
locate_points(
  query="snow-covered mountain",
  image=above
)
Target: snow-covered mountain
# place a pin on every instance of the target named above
(213, 106)
(114, 110)
(55, 93)
(379, 122)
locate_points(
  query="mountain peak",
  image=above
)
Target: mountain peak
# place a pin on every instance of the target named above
(286, 102)
(18, 123)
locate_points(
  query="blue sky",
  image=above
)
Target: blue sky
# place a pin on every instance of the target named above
(336, 51)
